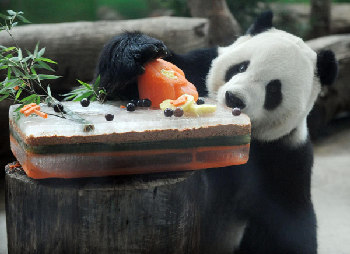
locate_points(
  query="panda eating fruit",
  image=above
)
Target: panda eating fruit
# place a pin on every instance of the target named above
(265, 205)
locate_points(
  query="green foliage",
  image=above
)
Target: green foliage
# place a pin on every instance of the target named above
(22, 84)
(85, 90)
(51, 11)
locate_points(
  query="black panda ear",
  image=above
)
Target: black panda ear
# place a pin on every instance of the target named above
(327, 67)
(262, 23)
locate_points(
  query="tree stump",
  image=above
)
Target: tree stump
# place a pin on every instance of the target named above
(155, 213)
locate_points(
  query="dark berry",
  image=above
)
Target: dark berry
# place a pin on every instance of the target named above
(85, 102)
(168, 112)
(178, 112)
(58, 108)
(101, 96)
(134, 102)
(236, 111)
(200, 101)
(109, 117)
(130, 106)
(139, 103)
(146, 103)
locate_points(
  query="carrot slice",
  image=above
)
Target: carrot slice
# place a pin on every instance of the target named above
(179, 101)
(163, 80)
(32, 108)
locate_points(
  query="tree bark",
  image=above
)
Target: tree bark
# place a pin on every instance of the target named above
(223, 27)
(320, 18)
(156, 213)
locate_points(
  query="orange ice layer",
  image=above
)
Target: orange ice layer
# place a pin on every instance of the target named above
(75, 165)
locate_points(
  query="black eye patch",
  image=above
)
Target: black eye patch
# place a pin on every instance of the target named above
(235, 69)
(273, 94)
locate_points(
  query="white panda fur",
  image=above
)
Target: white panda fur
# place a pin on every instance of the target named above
(272, 54)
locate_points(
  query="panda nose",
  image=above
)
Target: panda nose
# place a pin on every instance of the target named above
(233, 101)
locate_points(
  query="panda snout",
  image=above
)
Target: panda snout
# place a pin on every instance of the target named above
(233, 101)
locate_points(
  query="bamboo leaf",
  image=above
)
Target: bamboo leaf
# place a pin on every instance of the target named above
(97, 83)
(41, 52)
(4, 97)
(49, 91)
(36, 50)
(45, 60)
(33, 70)
(29, 99)
(84, 95)
(46, 76)
(45, 66)
(18, 93)
(9, 49)
(9, 73)
(17, 72)
(4, 16)
(23, 19)
(70, 97)
(20, 55)
(85, 84)
(11, 12)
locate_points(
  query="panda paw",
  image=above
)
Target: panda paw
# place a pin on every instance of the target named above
(124, 58)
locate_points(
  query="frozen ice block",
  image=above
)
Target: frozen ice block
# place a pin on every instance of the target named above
(143, 141)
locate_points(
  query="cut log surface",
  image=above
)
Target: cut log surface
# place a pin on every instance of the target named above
(156, 213)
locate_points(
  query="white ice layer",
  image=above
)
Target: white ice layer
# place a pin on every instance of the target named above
(137, 121)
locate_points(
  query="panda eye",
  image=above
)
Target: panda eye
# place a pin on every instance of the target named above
(235, 69)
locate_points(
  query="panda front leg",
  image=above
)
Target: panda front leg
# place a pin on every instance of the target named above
(122, 60)
(278, 229)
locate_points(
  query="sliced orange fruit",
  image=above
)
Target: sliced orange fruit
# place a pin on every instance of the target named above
(163, 80)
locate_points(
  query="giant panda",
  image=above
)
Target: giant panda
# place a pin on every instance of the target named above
(265, 205)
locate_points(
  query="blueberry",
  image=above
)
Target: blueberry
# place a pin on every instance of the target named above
(168, 112)
(109, 117)
(146, 103)
(85, 102)
(236, 111)
(178, 112)
(139, 103)
(130, 106)
(200, 101)
(101, 96)
(58, 108)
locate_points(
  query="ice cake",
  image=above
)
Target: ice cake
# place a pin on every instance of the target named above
(143, 141)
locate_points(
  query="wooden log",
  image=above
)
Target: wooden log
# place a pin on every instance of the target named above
(156, 213)
(77, 45)
(334, 99)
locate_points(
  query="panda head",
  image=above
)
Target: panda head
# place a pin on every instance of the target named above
(273, 76)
